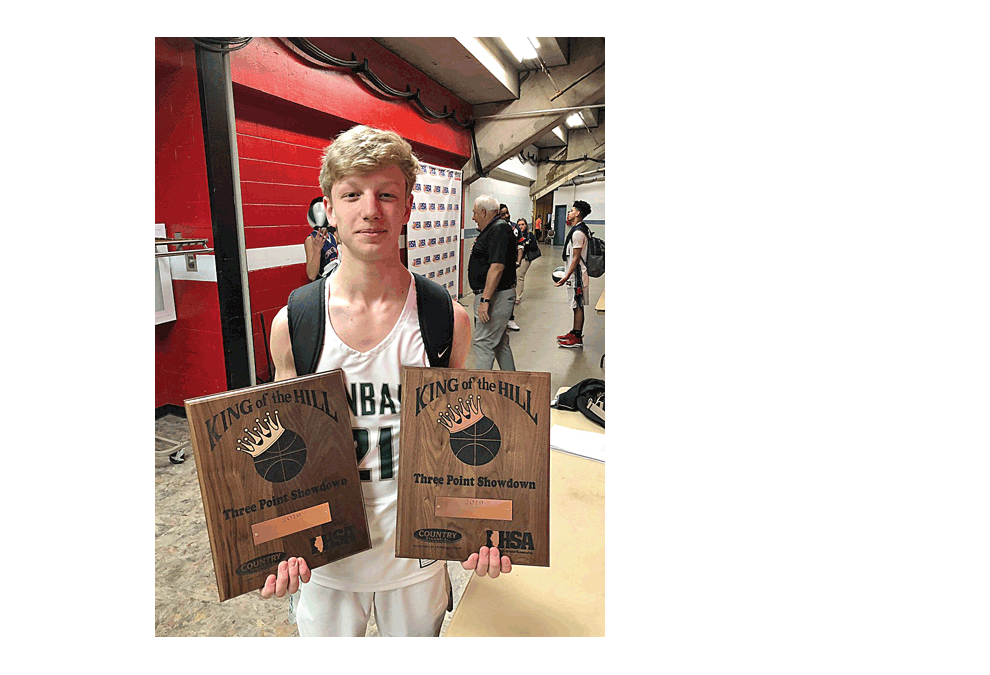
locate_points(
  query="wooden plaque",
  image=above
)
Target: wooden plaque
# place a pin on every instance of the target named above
(279, 478)
(475, 467)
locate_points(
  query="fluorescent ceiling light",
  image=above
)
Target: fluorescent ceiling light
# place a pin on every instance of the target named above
(574, 121)
(521, 47)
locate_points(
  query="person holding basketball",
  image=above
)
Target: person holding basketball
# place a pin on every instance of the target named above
(320, 245)
(367, 179)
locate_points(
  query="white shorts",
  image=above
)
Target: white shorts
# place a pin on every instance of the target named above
(573, 300)
(416, 610)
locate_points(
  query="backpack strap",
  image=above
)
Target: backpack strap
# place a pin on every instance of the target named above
(436, 320)
(307, 323)
(570, 233)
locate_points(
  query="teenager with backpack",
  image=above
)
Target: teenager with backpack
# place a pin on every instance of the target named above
(576, 275)
(367, 310)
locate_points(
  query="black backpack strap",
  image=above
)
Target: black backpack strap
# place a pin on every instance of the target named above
(570, 233)
(436, 320)
(307, 323)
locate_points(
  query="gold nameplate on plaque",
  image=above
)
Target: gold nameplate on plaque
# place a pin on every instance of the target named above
(475, 467)
(290, 523)
(460, 507)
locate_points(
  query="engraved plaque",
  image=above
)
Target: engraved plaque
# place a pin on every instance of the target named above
(279, 478)
(283, 526)
(475, 467)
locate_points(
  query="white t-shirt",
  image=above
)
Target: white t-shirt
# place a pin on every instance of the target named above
(372, 380)
(578, 240)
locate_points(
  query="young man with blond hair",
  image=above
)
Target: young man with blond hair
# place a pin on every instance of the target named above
(372, 330)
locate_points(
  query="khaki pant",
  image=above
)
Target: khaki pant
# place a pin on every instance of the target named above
(491, 340)
(521, 277)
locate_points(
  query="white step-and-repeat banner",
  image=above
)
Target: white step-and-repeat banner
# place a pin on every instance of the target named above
(433, 238)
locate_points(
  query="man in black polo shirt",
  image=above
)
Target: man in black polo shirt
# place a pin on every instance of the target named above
(492, 276)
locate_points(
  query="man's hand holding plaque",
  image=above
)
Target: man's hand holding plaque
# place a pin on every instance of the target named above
(487, 561)
(294, 571)
(291, 573)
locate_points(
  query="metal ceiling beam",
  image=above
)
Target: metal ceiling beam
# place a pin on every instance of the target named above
(580, 143)
(580, 82)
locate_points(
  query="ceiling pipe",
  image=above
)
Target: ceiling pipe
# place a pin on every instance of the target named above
(533, 113)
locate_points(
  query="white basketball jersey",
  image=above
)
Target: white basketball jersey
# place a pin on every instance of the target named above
(373, 380)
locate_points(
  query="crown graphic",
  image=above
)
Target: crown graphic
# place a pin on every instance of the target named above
(462, 415)
(262, 437)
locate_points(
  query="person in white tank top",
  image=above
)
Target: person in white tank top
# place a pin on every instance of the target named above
(372, 330)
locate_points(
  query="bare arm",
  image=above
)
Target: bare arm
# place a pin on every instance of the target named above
(281, 347)
(314, 249)
(491, 283)
(462, 337)
(575, 257)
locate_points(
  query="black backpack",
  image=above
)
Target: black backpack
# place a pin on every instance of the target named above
(596, 250)
(590, 390)
(307, 322)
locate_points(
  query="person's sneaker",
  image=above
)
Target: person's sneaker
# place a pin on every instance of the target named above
(564, 336)
(512, 325)
(571, 341)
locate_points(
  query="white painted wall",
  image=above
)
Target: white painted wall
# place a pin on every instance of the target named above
(594, 194)
(516, 197)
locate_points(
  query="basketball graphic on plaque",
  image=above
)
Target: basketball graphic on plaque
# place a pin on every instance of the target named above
(475, 464)
(474, 439)
(279, 454)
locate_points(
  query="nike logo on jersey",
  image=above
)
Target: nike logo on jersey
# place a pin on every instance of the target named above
(440, 355)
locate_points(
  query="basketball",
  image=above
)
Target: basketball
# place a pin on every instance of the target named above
(284, 460)
(478, 444)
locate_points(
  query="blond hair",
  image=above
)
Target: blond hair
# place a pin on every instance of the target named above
(363, 149)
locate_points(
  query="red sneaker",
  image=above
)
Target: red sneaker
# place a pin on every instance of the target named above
(571, 341)
(564, 336)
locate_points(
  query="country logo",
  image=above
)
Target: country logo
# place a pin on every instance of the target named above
(417, 262)
(437, 535)
(261, 563)
(417, 224)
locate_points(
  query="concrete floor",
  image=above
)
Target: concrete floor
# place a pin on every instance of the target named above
(186, 598)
